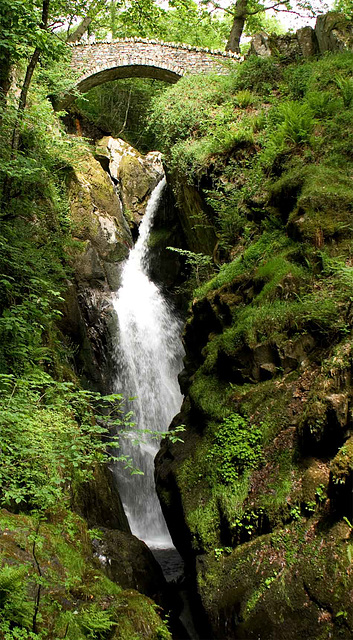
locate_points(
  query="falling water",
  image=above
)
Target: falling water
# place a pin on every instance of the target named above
(150, 357)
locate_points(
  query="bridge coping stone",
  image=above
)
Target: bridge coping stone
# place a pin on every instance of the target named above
(174, 45)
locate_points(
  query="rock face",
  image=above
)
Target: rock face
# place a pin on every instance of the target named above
(334, 32)
(135, 175)
(270, 551)
(266, 529)
(101, 240)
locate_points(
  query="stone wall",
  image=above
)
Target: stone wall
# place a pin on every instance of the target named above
(333, 32)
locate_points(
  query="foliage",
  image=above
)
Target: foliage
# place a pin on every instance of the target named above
(200, 265)
(121, 107)
(183, 21)
(13, 606)
(50, 437)
(237, 447)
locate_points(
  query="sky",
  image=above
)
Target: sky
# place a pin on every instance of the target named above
(289, 20)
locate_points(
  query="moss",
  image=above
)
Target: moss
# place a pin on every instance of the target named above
(210, 396)
(159, 238)
(324, 208)
(342, 463)
(263, 247)
(281, 583)
(76, 599)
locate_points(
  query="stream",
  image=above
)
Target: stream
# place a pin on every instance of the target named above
(149, 354)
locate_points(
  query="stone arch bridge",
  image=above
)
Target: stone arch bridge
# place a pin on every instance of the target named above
(134, 57)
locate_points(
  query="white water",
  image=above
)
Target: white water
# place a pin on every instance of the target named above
(149, 358)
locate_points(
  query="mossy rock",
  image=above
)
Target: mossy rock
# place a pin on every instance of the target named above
(323, 424)
(96, 212)
(341, 481)
(324, 208)
(315, 481)
(288, 585)
(75, 599)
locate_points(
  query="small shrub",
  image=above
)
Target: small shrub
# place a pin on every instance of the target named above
(261, 75)
(345, 86)
(236, 448)
(14, 609)
(297, 122)
(244, 99)
(322, 103)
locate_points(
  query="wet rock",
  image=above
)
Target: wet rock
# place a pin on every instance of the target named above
(98, 501)
(204, 321)
(128, 561)
(196, 218)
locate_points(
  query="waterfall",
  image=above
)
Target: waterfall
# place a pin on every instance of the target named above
(149, 356)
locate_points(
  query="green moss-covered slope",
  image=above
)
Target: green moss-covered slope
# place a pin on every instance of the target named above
(263, 482)
(51, 586)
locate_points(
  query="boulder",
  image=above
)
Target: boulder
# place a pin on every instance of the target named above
(260, 46)
(307, 42)
(334, 32)
(97, 219)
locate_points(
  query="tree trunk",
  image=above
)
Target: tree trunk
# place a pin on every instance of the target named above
(28, 78)
(76, 35)
(8, 181)
(23, 97)
(240, 15)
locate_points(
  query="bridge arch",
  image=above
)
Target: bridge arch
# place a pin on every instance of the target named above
(132, 57)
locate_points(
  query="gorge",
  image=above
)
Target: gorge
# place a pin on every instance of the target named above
(236, 235)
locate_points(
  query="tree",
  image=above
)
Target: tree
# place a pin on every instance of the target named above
(29, 74)
(243, 10)
(17, 28)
